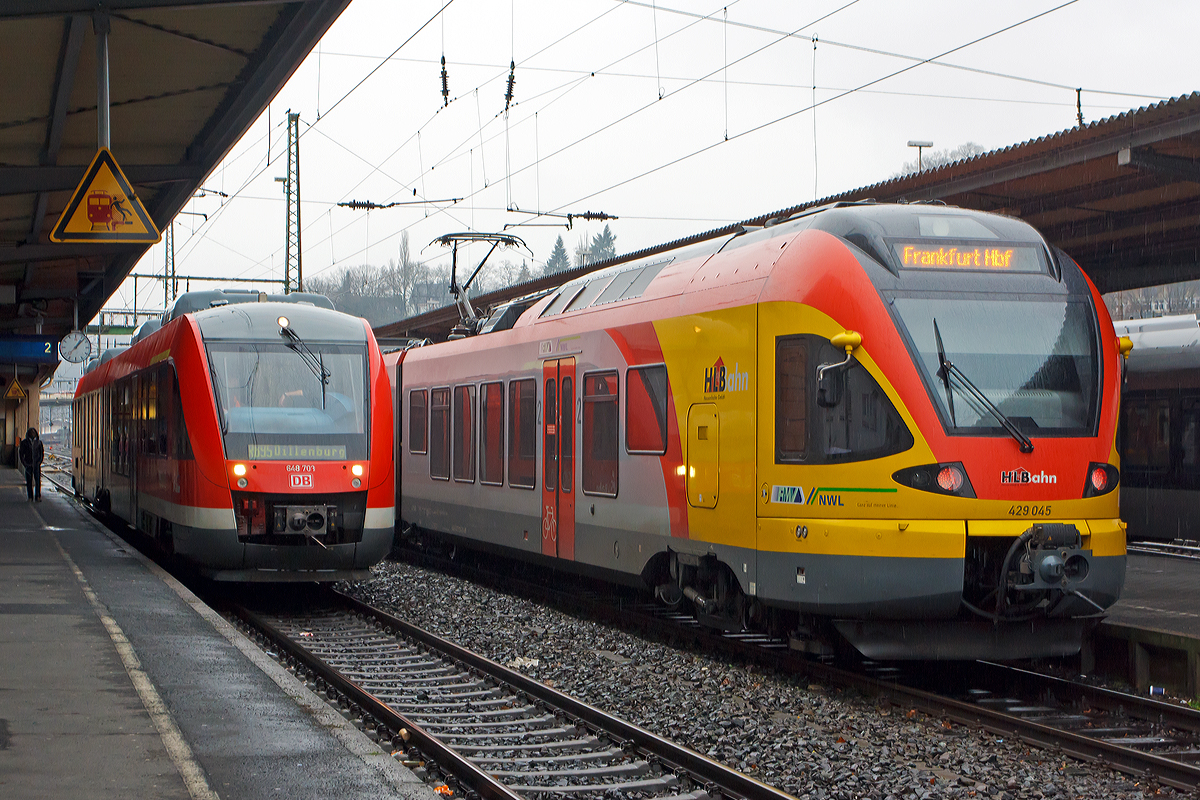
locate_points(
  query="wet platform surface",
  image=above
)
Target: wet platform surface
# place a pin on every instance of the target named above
(116, 681)
(1160, 594)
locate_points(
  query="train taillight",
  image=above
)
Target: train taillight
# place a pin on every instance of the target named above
(947, 478)
(1101, 479)
(950, 479)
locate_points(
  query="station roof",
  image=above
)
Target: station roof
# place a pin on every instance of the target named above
(187, 79)
(1121, 195)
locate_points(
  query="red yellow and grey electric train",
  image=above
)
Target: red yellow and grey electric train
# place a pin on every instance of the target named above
(249, 434)
(893, 424)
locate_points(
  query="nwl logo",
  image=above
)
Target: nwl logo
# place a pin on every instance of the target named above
(302, 481)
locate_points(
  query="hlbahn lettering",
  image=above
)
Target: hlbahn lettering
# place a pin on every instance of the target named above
(1020, 475)
(718, 379)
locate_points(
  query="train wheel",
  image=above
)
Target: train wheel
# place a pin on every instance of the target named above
(669, 594)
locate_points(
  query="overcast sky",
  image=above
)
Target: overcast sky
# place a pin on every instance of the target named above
(676, 117)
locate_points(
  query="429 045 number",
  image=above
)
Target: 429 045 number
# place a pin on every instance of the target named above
(1028, 511)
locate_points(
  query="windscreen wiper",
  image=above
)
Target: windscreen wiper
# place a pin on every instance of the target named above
(948, 370)
(311, 359)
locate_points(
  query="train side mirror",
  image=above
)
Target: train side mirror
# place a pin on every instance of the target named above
(831, 385)
(831, 378)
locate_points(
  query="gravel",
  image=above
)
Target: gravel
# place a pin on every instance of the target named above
(813, 741)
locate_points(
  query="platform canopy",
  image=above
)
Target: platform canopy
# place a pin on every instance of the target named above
(1121, 195)
(187, 79)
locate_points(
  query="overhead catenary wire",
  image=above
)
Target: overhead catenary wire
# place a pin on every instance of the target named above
(826, 101)
(180, 258)
(538, 157)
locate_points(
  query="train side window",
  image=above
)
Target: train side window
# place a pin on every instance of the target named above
(646, 410)
(418, 441)
(491, 434)
(179, 444)
(464, 434)
(791, 400)
(600, 434)
(856, 422)
(439, 434)
(1189, 435)
(1147, 434)
(522, 433)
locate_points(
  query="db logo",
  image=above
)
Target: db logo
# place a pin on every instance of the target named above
(302, 481)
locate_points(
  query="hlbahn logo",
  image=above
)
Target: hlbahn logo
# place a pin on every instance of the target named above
(718, 379)
(1025, 476)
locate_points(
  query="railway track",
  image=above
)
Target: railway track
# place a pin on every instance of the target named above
(1138, 736)
(1170, 549)
(471, 724)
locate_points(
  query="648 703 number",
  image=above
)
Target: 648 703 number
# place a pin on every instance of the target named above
(1028, 511)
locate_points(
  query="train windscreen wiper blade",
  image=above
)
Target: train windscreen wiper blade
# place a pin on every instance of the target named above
(311, 359)
(949, 370)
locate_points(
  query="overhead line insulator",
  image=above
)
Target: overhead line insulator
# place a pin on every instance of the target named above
(445, 84)
(512, 79)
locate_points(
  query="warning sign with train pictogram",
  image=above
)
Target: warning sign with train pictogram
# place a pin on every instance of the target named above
(104, 208)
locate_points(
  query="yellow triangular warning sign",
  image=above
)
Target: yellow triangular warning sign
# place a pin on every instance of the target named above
(105, 208)
(15, 392)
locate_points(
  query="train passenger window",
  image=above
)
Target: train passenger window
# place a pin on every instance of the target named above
(646, 410)
(491, 434)
(860, 424)
(464, 434)
(600, 433)
(1189, 435)
(522, 434)
(418, 441)
(1147, 434)
(179, 440)
(439, 434)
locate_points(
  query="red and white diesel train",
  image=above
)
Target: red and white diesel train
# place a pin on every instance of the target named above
(895, 424)
(240, 433)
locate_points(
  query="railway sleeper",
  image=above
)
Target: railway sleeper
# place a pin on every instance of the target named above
(562, 745)
(572, 758)
(649, 785)
(630, 768)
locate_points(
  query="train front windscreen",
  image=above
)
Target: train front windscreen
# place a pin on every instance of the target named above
(284, 401)
(1033, 358)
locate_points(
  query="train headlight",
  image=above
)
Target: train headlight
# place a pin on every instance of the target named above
(283, 322)
(239, 469)
(356, 483)
(1101, 479)
(242, 483)
(357, 470)
(946, 478)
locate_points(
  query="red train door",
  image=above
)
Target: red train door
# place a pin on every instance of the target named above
(558, 439)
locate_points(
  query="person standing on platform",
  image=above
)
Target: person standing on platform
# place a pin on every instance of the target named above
(31, 453)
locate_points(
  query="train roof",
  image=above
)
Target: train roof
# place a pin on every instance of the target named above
(192, 302)
(259, 321)
(1162, 344)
